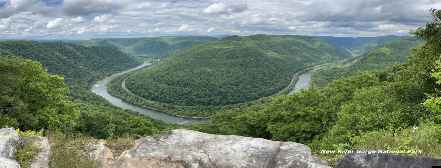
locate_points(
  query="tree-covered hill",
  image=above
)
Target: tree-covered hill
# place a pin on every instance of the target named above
(392, 52)
(359, 45)
(397, 109)
(42, 101)
(154, 47)
(75, 62)
(232, 70)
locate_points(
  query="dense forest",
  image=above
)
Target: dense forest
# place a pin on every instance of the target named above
(233, 70)
(33, 98)
(395, 109)
(384, 55)
(359, 45)
(154, 47)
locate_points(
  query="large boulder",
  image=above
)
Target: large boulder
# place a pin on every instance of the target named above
(190, 149)
(9, 141)
(378, 160)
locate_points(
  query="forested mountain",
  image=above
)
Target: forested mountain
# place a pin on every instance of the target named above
(75, 62)
(359, 45)
(233, 70)
(397, 109)
(392, 52)
(32, 99)
(154, 47)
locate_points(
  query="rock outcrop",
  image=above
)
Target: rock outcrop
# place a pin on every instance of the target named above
(361, 160)
(191, 149)
(42, 158)
(9, 141)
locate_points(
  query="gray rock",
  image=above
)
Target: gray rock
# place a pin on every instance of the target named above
(101, 153)
(9, 141)
(364, 160)
(42, 158)
(191, 149)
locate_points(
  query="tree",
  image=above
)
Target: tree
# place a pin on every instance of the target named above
(33, 98)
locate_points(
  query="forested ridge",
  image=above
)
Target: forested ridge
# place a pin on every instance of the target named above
(378, 58)
(394, 109)
(75, 62)
(35, 99)
(153, 47)
(232, 70)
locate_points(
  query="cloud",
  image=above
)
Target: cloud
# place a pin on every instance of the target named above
(222, 8)
(54, 23)
(211, 29)
(89, 7)
(102, 18)
(184, 28)
(55, 18)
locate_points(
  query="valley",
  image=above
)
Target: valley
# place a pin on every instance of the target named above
(300, 82)
(283, 88)
(220, 84)
(100, 88)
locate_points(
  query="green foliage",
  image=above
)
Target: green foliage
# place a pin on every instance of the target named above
(422, 141)
(384, 110)
(26, 154)
(394, 51)
(233, 70)
(33, 99)
(78, 64)
(106, 122)
(434, 102)
(300, 117)
(82, 66)
(29, 133)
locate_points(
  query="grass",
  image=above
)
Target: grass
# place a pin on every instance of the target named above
(119, 145)
(28, 150)
(26, 154)
(71, 151)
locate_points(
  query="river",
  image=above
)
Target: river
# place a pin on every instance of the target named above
(100, 89)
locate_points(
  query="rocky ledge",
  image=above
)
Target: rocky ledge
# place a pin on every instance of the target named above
(191, 149)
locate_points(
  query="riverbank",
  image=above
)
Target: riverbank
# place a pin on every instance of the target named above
(113, 90)
(100, 89)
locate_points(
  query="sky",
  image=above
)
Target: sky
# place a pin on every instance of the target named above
(126, 18)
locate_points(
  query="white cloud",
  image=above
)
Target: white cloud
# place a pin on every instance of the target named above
(78, 19)
(211, 29)
(54, 23)
(202, 17)
(101, 18)
(216, 8)
(222, 8)
(185, 28)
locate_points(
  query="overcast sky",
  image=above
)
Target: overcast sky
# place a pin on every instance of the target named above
(110, 18)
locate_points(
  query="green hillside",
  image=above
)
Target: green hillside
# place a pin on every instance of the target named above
(359, 45)
(75, 62)
(396, 109)
(391, 52)
(33, 99)
(154, 47)
(233, 70)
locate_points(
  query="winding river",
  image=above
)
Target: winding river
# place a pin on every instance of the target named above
(100, 89)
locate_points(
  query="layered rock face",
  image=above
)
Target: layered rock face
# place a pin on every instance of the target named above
(191, 149)
(9, 140)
